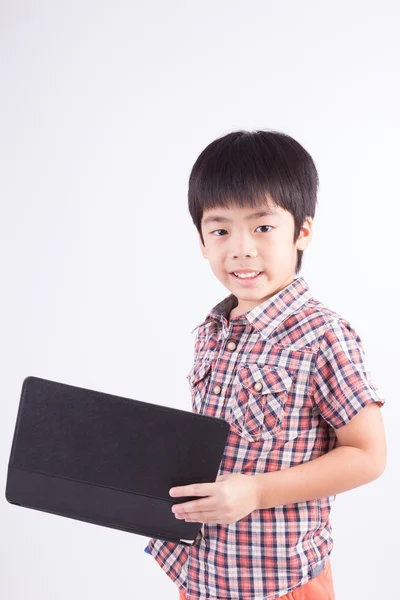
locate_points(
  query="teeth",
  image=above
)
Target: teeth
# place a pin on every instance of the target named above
(247, 275)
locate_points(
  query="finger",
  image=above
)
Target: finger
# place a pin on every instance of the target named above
(194, 489)
(194, 506)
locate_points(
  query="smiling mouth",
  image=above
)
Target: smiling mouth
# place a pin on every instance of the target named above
(247, 278)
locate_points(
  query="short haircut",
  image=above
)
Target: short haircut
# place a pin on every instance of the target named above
(245, 168)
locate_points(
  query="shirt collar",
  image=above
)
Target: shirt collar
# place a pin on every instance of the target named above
(268, 315)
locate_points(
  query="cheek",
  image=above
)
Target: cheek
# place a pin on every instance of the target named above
(218, 268)
(284, 250)
(278, 259)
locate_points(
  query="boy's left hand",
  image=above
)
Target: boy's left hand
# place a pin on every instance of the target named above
(229, 499)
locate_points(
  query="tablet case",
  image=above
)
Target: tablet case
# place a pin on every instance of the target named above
(110, 460)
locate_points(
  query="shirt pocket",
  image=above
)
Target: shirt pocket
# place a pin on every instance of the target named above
(198, 378)
(259, 400)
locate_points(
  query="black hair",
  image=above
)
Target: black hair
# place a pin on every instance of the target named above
(244, 168)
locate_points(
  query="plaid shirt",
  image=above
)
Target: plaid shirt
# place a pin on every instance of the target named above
(284, 375)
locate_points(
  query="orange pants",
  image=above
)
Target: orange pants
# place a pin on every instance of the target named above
(319, 588)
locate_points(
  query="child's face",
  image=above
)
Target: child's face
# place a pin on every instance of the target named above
(256, 243)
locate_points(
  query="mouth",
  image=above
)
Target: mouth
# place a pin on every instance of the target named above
(248, 279)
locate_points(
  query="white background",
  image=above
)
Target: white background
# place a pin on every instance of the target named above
(104, 107)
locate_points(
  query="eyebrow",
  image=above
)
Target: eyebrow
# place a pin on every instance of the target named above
(219, 219)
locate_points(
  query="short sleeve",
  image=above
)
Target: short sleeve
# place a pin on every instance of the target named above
(342, 384)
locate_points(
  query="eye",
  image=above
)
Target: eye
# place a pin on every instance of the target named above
(215, 231)
(212, 232)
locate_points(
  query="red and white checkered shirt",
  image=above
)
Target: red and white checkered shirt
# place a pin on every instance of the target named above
(285, 375)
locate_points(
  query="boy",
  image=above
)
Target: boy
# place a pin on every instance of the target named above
(287, 373)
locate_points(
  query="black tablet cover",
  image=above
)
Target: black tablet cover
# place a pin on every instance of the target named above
(110, 460)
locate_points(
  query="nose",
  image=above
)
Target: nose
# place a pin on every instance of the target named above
(243, 246)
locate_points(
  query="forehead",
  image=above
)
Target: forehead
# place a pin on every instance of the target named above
(229, 215)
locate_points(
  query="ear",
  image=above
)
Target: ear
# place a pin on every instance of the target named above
(202, 248)
(305, 234)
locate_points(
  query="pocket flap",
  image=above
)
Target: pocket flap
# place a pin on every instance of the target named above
(198, 372)
(272, 379)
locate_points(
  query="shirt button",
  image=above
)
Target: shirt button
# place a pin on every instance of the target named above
(258, 386)
(231, 345)
(217, 389)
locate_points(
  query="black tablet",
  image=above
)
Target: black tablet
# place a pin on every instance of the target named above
(110, 460)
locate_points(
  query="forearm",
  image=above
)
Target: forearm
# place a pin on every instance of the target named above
(339, 470)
